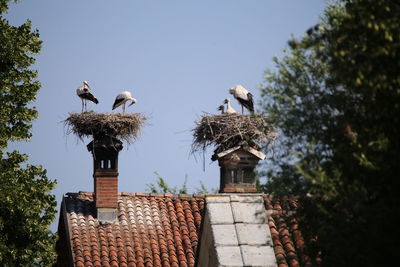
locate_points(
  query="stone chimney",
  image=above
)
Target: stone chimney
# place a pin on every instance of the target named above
(238, 169)
(105, 173)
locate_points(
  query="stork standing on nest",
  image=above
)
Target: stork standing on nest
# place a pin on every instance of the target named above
(122, 98)
(229, 108)
(222, 109)
(85, 94)
(244, 97)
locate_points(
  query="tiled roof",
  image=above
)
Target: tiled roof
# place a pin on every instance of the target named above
(160, 230)
(151, 231)
(289, 243)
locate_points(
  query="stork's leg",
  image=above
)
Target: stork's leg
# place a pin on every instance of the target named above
(123, 108)
(82, 105)
(242, 109)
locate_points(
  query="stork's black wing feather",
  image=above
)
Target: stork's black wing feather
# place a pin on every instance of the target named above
(89, 96)
(117, 102)
(251, 103)
(247, 103)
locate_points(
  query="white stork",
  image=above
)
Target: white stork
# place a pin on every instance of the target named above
(244, 97)
(222, 109)
(85, 94)
(229, 108)
(122, 98)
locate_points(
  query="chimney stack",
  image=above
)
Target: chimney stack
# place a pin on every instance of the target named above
(238, 169)
(105, 173)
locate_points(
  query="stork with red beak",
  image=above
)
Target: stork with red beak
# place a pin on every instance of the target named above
(122, 98)
(85, 94)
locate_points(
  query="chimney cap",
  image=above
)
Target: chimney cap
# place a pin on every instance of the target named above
(248, 149)
(106, 143)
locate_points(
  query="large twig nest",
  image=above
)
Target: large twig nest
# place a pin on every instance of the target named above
(229, 130)
(125, 126)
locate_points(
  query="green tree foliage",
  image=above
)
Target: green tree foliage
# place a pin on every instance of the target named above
(290, 95)
(161, 186)
(26, 207)
(17, 81)
(26, 211)
(336, 99)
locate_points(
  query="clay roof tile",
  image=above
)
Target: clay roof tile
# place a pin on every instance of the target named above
(163, 230)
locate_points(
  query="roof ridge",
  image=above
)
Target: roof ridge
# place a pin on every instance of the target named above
(171, 195)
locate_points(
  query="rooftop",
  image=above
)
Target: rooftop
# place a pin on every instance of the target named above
(161, 230)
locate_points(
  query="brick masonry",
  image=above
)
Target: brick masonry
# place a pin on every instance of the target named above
(106, 191)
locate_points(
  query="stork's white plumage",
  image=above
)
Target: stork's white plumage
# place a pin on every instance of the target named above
(85, 94)
(122, 98)
(244, 97)
(229, 108)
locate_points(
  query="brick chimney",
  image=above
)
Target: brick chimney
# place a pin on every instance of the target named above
(105, 173)
(238, 169)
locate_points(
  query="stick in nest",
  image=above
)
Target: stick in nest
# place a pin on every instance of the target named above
(229, 130)
(124, 126)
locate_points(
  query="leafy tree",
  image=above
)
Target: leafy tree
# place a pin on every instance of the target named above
(291, 95)
(26, 211)
(335, 96)
(26, 207)
(161, 186)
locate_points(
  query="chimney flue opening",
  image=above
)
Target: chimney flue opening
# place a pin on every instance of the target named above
(105, 153)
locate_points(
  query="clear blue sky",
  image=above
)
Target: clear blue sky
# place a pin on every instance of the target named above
(178, 58)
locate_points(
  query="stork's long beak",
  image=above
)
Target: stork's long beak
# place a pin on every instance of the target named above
(133, 102)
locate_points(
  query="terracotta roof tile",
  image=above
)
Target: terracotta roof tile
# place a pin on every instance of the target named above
(289, 244)
(162, 230)
(152, 230)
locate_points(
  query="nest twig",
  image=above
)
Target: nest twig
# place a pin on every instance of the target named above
(125, 126)
(229, 130)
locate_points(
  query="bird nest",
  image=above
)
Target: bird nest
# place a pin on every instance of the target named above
(226, 131)
(125, 126)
